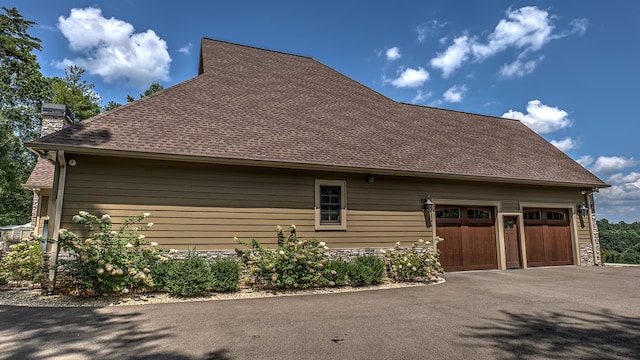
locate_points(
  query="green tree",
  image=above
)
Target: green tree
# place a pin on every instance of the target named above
(110, 106)
(153, 88)
(76, 93)
(620, 243)
(22, 89)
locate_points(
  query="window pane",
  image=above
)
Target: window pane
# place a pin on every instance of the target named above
(532, 215)
(554, 215)
(330, 204)
(448, 214)
(478, 214)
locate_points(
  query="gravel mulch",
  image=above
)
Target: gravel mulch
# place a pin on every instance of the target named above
(32, 297)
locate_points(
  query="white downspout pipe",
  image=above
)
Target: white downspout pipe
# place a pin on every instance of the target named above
(54, 223)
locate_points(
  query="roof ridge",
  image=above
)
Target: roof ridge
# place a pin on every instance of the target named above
(458, 111)
(257, 48)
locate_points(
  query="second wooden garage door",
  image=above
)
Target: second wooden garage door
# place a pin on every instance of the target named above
(547, 237)
(469, 238)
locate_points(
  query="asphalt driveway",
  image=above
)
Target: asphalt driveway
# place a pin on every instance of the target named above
(545, 313)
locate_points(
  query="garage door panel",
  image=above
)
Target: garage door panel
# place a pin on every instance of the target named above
(534, 236)
(547, 237)
(451, 247)
(558, 243)
(469, 238)
(480, 249)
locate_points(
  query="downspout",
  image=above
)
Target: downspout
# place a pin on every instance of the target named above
(591, 226)
(54, 223)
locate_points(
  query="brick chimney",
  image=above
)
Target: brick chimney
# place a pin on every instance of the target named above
(55, 117)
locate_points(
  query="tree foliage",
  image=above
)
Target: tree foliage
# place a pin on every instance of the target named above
(619, 243)
(76, 93)
(153, 88)
(22, 89)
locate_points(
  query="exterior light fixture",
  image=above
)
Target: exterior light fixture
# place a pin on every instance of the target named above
(370, 178)
(582, 212)
(428, 208)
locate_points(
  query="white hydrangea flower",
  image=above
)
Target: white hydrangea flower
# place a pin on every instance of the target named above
(83, 213)
(113, 233)
(146, 214)
(150, 224)
(293, 227)
(281, 252)
(76, 218)
(322, 243)
(62, 234)
(141, 237)
(153, 243)
(383, 251)
(128, 245)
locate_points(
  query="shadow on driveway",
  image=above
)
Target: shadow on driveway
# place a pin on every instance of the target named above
(555, 335)
(84, 333)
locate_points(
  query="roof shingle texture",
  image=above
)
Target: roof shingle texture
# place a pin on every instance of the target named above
(41, 176)
(256, 104)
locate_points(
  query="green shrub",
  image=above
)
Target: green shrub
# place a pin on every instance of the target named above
(295, 264)
(24, 262)
(190, 276)
(225, 275)
(3, 280)
(366, 270)
(336, 272)
(412, 264)
(109, 261)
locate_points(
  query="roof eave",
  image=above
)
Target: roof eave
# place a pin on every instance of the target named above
(40, 148)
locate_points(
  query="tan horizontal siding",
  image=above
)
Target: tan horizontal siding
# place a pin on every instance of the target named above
(207, 206)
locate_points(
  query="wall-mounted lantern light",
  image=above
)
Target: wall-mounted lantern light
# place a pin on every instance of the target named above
(582, 212)
(428, 208)
(370, 178)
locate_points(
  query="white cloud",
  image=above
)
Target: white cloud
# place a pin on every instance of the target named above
(428, 29)
(585, 160)
(622, 200)
(411, 78)
(518, 68)
(541, 118)
(612, 164)
(526, 29)
(579, 26)
(455, 94)
(565, 144)
(421, 97)
(393, 53)
(453, 57)
(112, 50)
(620, 179)
(186, 49)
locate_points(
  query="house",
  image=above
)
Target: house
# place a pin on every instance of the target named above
(261, 138)
(12, 234)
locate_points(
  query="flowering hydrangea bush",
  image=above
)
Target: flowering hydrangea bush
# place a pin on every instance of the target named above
(412, 264)
(23, 262)
(109, 261)
(295, 264)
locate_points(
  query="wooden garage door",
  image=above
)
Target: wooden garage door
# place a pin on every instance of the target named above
(469, 238)
(547, 237)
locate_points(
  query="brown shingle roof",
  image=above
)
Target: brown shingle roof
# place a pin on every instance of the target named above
(41, 176)
(262, 105)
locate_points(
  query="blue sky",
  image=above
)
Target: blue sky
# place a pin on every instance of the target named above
(567, 69)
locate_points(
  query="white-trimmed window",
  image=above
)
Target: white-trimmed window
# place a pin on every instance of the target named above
(331, 205)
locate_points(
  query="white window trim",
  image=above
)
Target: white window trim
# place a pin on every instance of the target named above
(343, 204)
